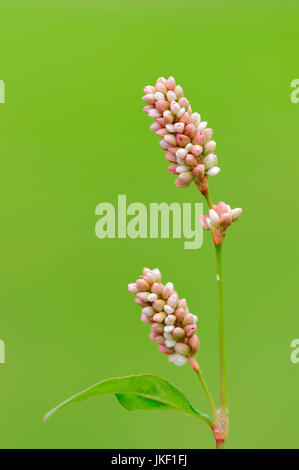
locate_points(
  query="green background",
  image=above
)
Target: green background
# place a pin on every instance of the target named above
(73, 135)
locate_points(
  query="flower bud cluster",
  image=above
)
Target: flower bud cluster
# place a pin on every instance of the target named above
(185, 138)
(219, 219)
(173, 327)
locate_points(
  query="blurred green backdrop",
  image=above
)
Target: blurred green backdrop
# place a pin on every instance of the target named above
(73, 135)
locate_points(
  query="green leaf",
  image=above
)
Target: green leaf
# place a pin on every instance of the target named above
(139, 392)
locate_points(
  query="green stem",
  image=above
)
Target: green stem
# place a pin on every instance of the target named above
(209, 201)
(206, 390)
(223, 393)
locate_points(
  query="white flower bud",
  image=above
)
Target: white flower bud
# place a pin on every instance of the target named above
(214, 171)
(170, 128)
(170, 285)
(209, 161)
(152, 297)
(168, 328)
(202, 125)
(157, 275)
(236, 213)
(148, 311)
(167, 309)
(159, 96)
(170, 343)
(171, 96)
(170, 320)
(174, 106)
(181, 112)
(213, 216)
(195, 119)
(177, 359)
(181, 153)
(181, 169)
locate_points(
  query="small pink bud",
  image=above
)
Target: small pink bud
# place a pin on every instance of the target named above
(194, 343)
(226, 220)
(190, 130)
(162, 132)
(149, 99)
(157, 328)
(174, 149)
(133, 288)
(143, 296)
(154, 113)
(142, 285)
(161, 121)
(159, 317)
(203, 222)
(153, 336)
(178, 91)
(182, 349)
(181, 185)
(199, 170)
(162, 105)
(170, 319)
(160, 339)
(188, 320)
(199, 138)
(148, 311)
(175, 107)
(196, 150)
(145, 319)
(191, 160)
(155, 127)
(179, 127)
(172, 169)
(180, 314)
(168, 117)
(140, 302)
(210, 147)
(186, 177)
(161, 80)
(164, 144)
(159, 305)
(183, 304)
(181, 153)
(172, 301)
(171, 83)
(157, 288)
(165, 350)
(170, 157)
(165, 292)
(190, 330)
(178, 333)
(149, 89)
(182, 140)
(148, 108)
(208, 133)
(184, 103)
(170, 139)
(171, 96)
(185, 119)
